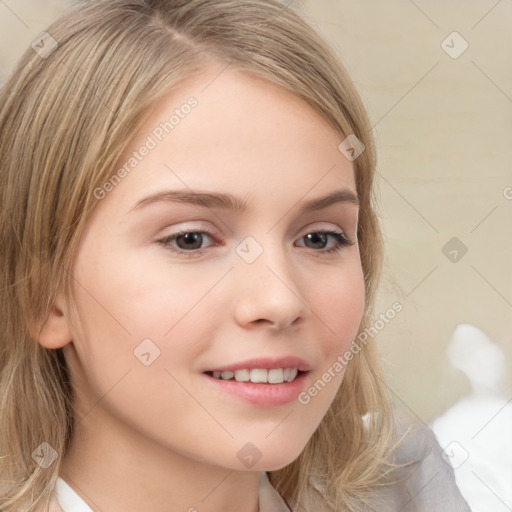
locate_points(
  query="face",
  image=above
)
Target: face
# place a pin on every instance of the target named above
(170, 286)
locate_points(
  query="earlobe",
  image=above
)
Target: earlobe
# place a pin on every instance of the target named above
(54, 332)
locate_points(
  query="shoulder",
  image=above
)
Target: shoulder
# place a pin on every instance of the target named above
(420, 480)
(423, 480)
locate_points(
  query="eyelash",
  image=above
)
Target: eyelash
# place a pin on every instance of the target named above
(342, 242)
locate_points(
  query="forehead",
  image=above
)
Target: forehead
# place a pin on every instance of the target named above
(233, 131)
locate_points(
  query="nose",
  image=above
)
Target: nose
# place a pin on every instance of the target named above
(268, 292)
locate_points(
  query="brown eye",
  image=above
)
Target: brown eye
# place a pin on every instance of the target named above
(186, 242)
(189, 241)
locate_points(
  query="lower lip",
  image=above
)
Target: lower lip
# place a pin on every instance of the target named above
(264, 395)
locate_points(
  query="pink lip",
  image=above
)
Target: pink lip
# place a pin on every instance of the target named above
(263, 394)
(265, 363)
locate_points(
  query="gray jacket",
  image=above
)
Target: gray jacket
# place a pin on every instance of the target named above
(425, 483)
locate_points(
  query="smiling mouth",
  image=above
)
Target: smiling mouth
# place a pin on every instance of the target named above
(258, 375)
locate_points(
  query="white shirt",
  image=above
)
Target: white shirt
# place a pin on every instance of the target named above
(68, 499)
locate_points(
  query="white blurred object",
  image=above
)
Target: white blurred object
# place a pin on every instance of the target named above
(476, 433)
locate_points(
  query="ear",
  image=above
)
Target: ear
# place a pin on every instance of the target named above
(54, 332)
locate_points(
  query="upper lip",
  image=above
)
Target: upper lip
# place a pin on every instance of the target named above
(265, 362)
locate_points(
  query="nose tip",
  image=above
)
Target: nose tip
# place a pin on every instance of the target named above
(268, 292)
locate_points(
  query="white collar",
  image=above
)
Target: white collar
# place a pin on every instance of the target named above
(68, 499)
(269, 498)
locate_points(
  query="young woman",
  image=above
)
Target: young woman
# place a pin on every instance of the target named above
(190, 256)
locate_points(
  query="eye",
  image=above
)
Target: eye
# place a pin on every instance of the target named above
(189, 243)
(320, 239)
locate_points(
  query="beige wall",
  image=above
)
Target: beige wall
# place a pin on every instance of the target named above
(443, 128)
(444, 135)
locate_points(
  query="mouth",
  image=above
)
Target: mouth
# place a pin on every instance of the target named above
(262, 387)
(262, 381)
(258, 375)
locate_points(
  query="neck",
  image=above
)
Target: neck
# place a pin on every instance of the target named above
(117, 469)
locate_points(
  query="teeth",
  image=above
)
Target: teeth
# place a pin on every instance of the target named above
(275, 376)
(293, 373)
(242, 375)
(259, 375)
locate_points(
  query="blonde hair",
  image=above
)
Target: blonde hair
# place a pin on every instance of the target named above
(65, 119)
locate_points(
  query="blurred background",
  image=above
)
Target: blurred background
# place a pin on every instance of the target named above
(436, 77)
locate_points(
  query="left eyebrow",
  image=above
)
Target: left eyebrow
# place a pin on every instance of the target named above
(230, 202)
(338, 196)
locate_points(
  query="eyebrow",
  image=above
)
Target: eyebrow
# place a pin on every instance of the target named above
(227, 201)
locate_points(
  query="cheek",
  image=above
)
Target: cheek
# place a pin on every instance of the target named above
(339, 304)
(118, 288)
(124, 302)
(136, 338)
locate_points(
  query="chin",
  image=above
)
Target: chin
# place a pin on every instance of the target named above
(276, 459)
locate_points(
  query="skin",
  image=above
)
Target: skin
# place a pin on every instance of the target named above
(161, 437)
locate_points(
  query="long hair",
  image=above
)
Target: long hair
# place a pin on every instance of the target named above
(67, 112)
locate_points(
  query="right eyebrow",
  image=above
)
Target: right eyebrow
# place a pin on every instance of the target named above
(206, 199)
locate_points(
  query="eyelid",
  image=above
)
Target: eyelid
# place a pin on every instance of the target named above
(190, 226)
(326, 226)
